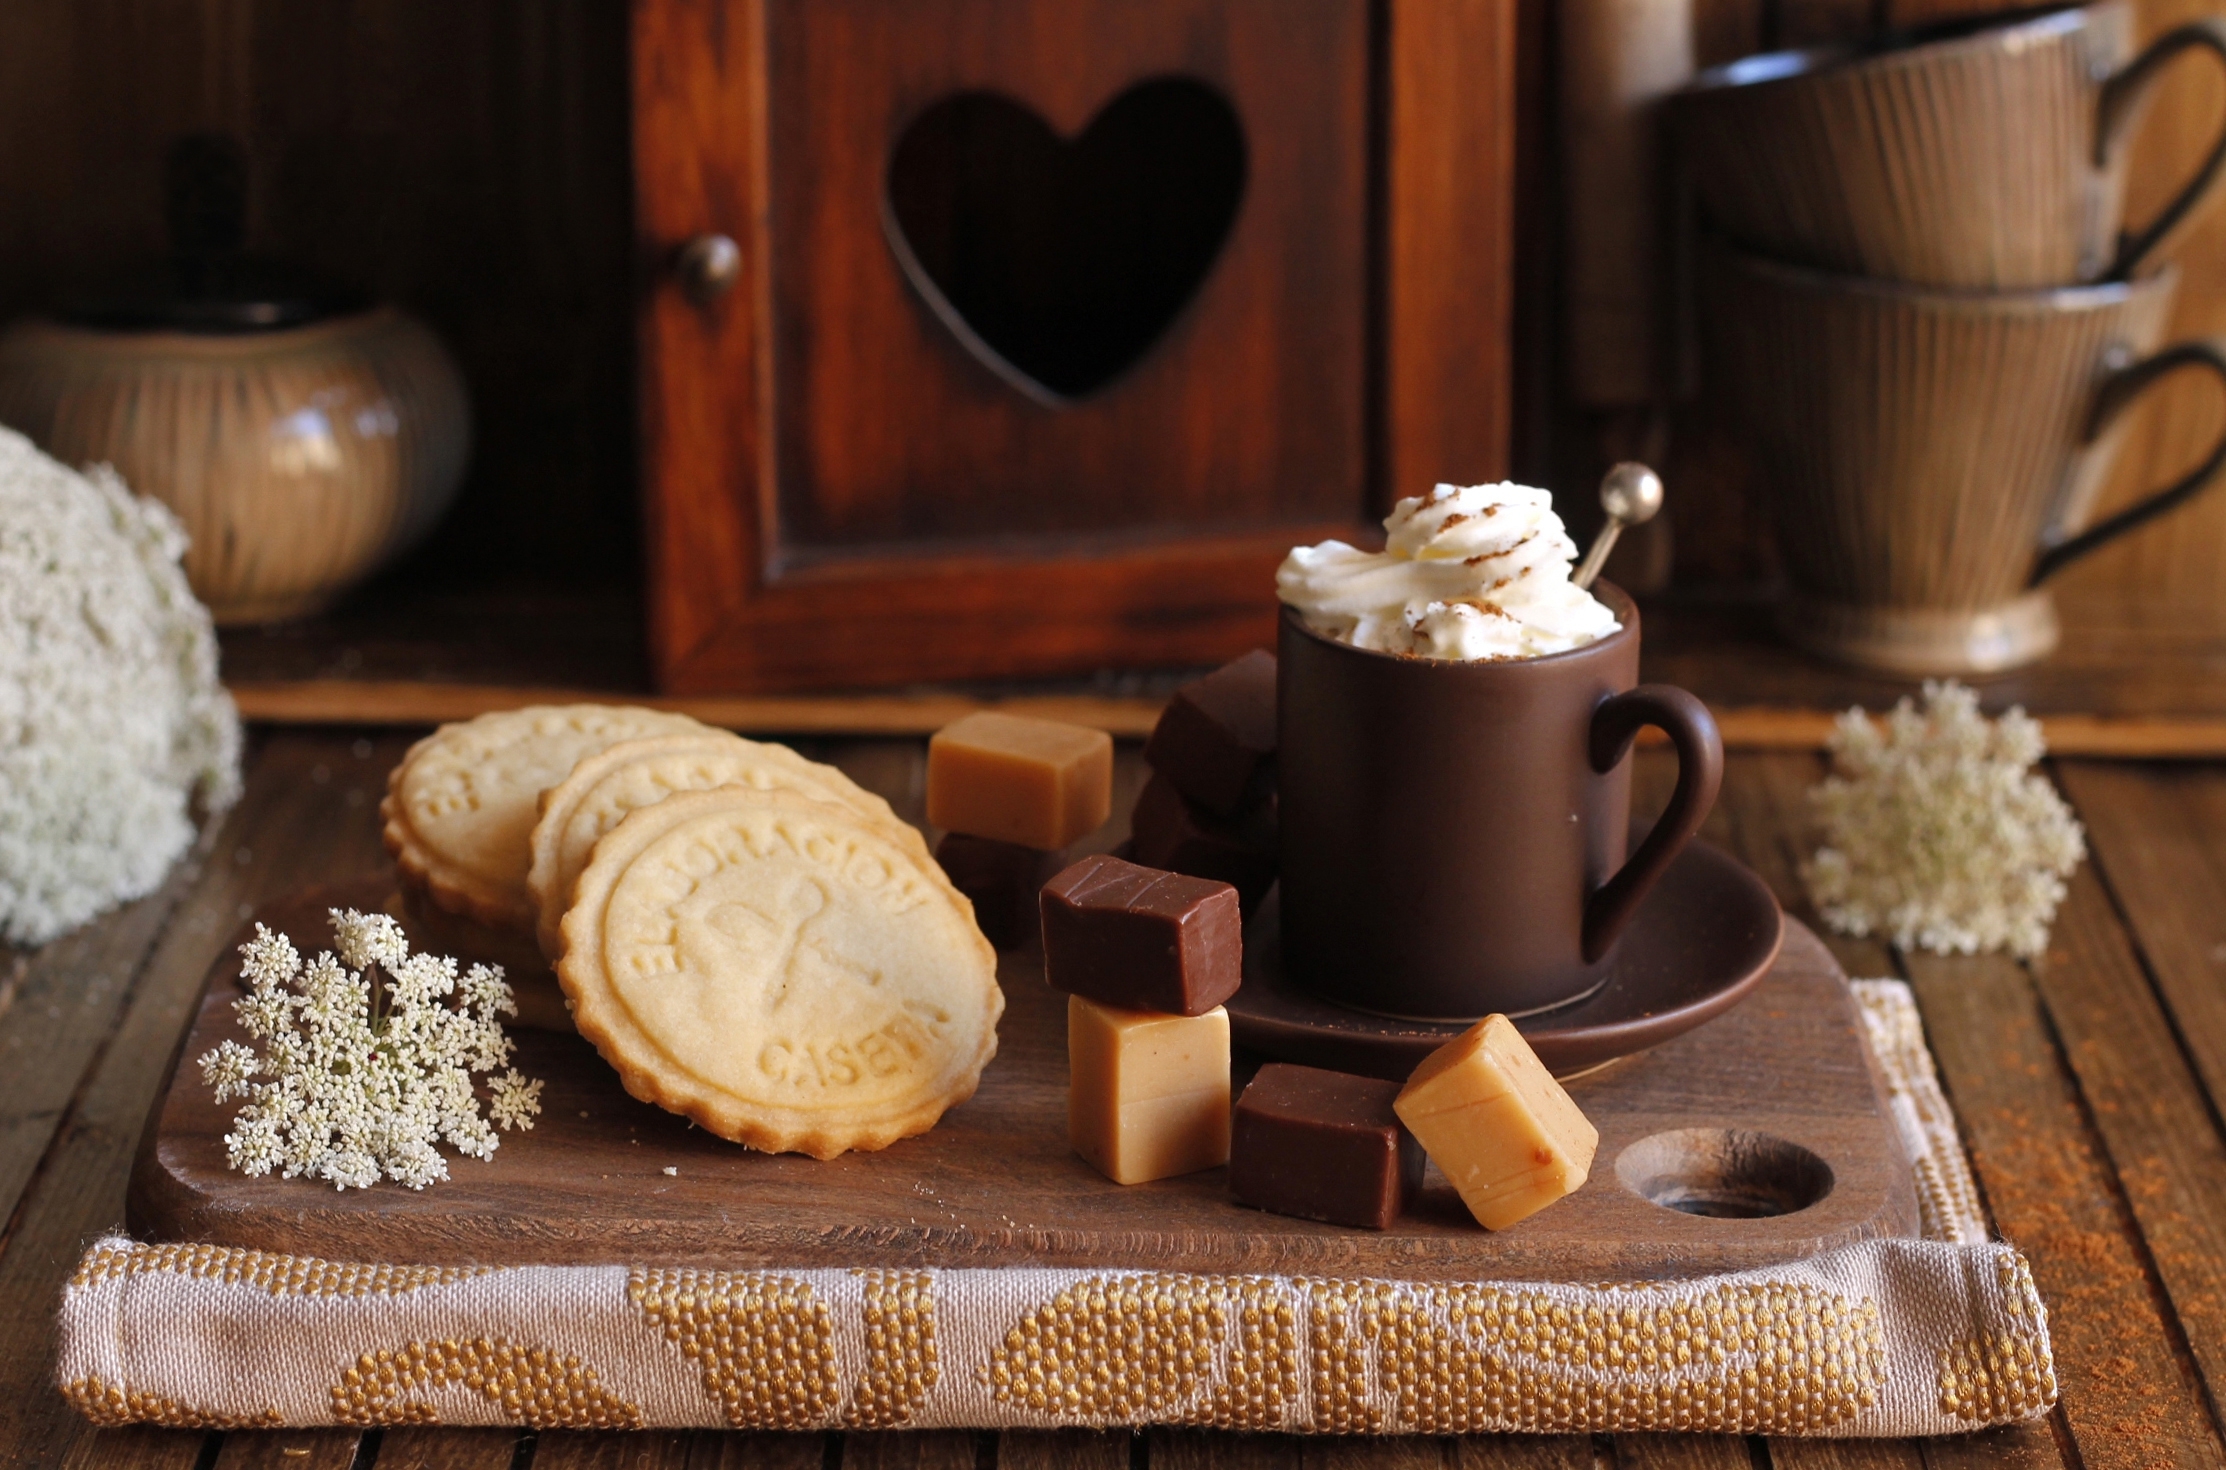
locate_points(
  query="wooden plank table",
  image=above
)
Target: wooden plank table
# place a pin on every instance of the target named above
(2090, 1085)
(403, 655)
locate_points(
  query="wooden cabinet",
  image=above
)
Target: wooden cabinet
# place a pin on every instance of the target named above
(1051, 324)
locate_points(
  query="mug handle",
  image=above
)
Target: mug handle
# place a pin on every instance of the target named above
(2121, 97)
(1700, 770)
(2118, 391)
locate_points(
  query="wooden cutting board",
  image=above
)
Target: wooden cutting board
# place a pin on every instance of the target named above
(1764, 1107)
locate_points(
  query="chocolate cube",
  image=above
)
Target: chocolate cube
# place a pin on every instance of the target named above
(1171, 832)
(1141, 939)
(1323, 1146)
(1217, 733)
(1000, 879)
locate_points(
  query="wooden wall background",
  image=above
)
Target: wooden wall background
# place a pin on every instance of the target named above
(470, 161)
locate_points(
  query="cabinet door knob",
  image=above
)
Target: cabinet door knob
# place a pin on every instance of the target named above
(709, 266)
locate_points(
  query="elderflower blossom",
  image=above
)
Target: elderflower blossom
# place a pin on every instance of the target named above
(364, 1067)
(112, 723)
(1937, 833)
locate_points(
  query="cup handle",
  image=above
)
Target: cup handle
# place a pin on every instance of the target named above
(1700, 770)
(2121, 97)
(2117, 392)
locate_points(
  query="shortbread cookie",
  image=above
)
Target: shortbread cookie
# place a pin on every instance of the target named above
(781, 972)
(605, 786)
(533, 982)
(460, 807)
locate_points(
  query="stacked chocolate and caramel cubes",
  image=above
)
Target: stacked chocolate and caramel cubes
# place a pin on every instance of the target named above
(1009, 792)
(1145, 957)
(1147, 951)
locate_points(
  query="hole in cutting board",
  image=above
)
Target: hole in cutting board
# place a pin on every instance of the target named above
(1724, 1173)
(1061, 262)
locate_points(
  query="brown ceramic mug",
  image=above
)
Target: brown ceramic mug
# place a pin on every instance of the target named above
(1454, 833)
(1930, 458)
(1983, 154)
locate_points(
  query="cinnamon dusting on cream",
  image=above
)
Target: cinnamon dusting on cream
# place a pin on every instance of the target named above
(1468, 573)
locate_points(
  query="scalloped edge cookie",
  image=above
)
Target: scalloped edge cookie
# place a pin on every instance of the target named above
(477, 885)
(561, 845)
(649, 1072)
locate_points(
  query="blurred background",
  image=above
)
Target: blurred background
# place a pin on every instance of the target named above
(472, 164)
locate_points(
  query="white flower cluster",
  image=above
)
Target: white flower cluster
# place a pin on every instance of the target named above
(1937, 833)
(111, 718)
(365, 1078)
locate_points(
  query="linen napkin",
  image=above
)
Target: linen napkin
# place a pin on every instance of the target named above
(1889, 1337)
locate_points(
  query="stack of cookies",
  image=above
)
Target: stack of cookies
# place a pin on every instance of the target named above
(459, 814)
(749, 938)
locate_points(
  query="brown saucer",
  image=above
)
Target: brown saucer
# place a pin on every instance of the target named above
(1701, 940)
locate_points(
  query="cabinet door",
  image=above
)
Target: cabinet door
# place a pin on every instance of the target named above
(1051, 324)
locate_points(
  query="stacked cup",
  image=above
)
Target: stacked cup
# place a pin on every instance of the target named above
(1928, 320)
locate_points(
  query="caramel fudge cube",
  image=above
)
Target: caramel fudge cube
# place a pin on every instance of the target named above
(1218, 732)
(1490, 1115)
(1322, 1146)
(1000, 879)
(1035, 783)
(1148, 1095)
(1140, 938)
(1169, 831)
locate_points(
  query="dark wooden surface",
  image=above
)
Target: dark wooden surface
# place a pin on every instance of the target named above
(1451, 143)
(2088, 1084)
(392, 655)
(996, 1184)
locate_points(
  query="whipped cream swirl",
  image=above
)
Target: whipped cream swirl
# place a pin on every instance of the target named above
(1467, 572)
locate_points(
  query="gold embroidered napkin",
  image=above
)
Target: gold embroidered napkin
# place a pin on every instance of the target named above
(1891, 1337)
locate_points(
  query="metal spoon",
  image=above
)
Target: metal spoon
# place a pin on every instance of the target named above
(1630, 493)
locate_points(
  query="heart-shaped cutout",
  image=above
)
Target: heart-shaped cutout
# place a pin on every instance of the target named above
(1060, 263)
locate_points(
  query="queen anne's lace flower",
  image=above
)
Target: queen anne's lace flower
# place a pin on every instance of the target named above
(1937, 833)
(111, 719)
(365, 940)
(360, 1077)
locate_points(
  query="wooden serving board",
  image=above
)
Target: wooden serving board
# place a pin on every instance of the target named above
(996, 1185)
